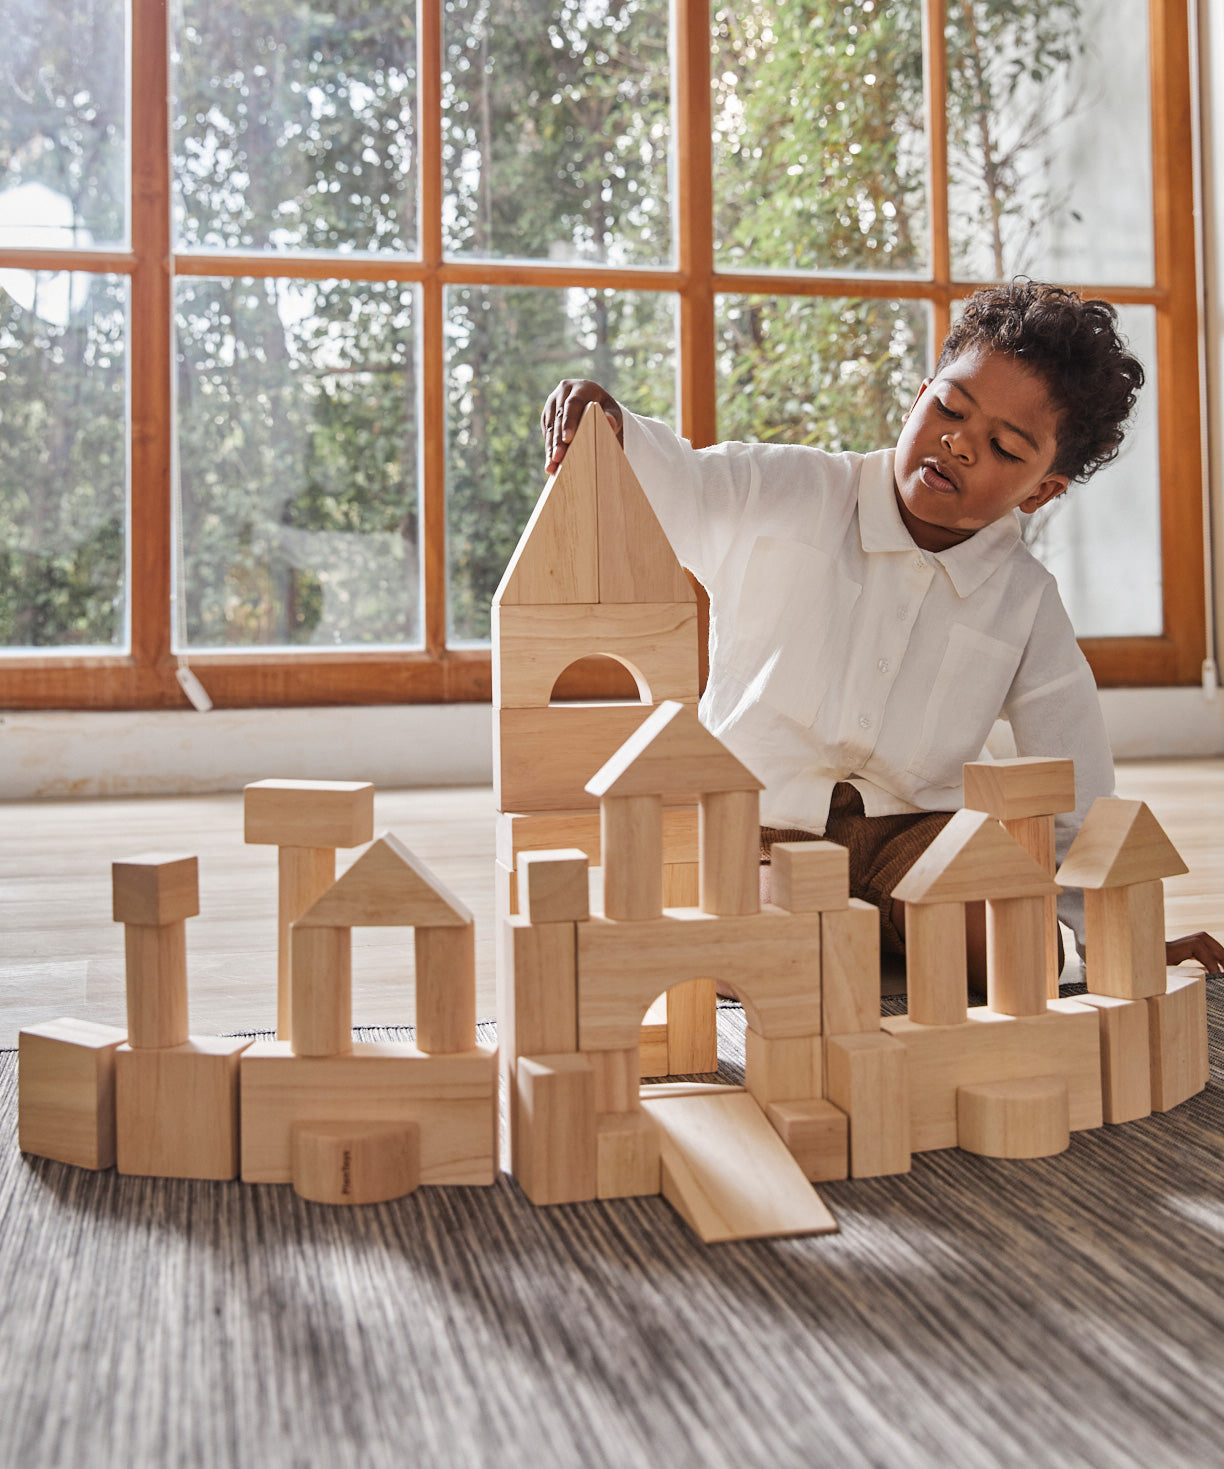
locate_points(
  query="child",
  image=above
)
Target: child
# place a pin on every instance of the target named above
(872, 615)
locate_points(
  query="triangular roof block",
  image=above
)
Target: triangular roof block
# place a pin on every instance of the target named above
(593, 536)
(971, 859)
(672, 754)
(1120, 843)
(387, 887)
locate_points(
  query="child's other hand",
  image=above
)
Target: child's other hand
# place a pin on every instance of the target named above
(1201, 947)
(563, 412)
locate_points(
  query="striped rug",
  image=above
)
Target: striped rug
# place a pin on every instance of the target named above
(1062, 1312)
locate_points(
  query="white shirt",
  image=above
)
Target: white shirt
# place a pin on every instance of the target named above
(839, 650)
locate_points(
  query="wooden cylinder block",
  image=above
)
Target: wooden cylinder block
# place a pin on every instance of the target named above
(322, 991)
(304, 874)
(1015, 956)
(631, 834)
(1028, 1118)
(356, 1162)
(445, 989)
(1036, 835)
(1125, 934)
(730, 839)
(156, 959)
(936, 974)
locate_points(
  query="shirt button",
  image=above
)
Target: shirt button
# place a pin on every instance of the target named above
(919, 563)
(864, 721)
(882, 665)
(902, 614)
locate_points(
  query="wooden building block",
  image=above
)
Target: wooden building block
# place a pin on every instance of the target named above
(652, 1043)
(156, 963)
(631, 834)
(452, 1098)
(537, 1004)
(1177, 1036)
(542, 831)
(304, 874)
(543, 758)
(356, 1162)
(1016, 956)
(1124, 948)
(692, 1028)
(322, 995)
(784, 1070)
(681, 880)
(728, 1173)
(533, 646)
(66, 1091)
(850, 968)
(973, 858)
(308, 813)
(1120, 843)
(445, 989)
(617, 1079)
(936, 970)
(554, 887)
(1025, 1118)
(1126, 1067)
(993, 1047)
(730, 837)
(771, 959)
(671, 753)
(176, 1109)
(1020, 787)
(817, 1136)
(627, 1151)
(387, 887)
(809, 877)
(866, 1076)
(1036, 835)
(155, 888)
(555, 1123)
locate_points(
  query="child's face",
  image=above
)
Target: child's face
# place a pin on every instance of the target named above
(977, 444)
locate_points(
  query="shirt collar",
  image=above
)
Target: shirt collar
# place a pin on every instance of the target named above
(882, 529)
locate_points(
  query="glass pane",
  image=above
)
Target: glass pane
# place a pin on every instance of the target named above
(1102, 539)
(1049, 141)
(819, 136)
(294, 125)
(63, 124)
(508, 349)
(63, 460)
(556, 130)
(831, 372)
(297, 448)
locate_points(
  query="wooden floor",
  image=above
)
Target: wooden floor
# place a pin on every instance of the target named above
(60, 953)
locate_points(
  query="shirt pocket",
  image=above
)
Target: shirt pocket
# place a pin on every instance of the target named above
(965, 700)
(792, 625)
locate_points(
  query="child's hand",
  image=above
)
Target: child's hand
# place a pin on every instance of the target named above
(563, 412)
(1200, 947)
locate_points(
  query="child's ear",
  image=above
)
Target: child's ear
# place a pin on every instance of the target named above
(926, 383)
(1049, 489)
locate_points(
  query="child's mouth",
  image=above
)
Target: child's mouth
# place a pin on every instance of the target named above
(935, 480)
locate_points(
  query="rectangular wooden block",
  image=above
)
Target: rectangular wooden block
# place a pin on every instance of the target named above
(866, 1076)
(543, 758)
(991, 1047)
(453, 1098)
(176, 1109)
(728, 1173)
(555, 1126)
(936, 966)
(850, 968)
(809, 877)
(155, 888)
(1126, 1068)
(554, 887)
(627, 1145)
(1019, 787)
(1177, 1035)
(541, 831)
(692, 1028)
(652, 1045)
(308, 813)
(784, 1070)
(618, 1078)
(537, 988)
(771, 958)
(817, 1135)
(66, 1091)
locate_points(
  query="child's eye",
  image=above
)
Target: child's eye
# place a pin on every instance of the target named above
(945, 410)
(1003, 454)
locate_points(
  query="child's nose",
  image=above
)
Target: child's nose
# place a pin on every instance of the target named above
(957, 444)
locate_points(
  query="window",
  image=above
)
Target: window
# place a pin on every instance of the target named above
(302, 454)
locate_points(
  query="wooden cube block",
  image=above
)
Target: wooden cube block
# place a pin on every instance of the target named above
(1177, 1036)
(155, 888)
(356, 1162)
(66, 1091)
(1024, 1118)
(627, 1151)
(554, 887)
(866, 1076)
(817, 1134)
(1126, 1066)
(176, 1109)
(308, 813)
(555, 1124)
(783, 1070)
(1020, 787)
(850, 968)
(809, 877)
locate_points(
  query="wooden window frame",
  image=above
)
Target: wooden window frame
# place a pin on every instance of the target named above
(437, 673)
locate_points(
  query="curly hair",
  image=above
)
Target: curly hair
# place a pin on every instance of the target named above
(1074, 347)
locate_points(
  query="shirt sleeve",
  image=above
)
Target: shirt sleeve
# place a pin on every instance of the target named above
(1054, 710)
